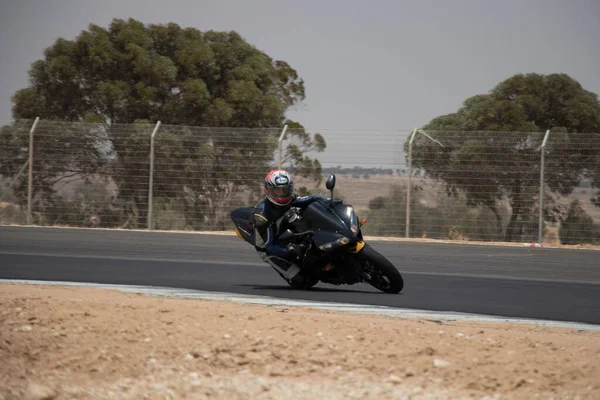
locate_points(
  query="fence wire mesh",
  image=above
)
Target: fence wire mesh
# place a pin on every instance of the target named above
(202, 174)
(14, 151)
(464, 185)
(486, 186)
(477, 185)
(572, 187)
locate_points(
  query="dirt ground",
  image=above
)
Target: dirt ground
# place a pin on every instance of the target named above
(85, 343)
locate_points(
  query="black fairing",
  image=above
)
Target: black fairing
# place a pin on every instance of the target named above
(242, 218)
(330, 222)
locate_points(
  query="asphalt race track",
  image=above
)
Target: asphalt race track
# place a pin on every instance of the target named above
(540, 283)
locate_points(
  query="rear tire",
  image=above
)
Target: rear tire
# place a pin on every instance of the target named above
(384, 276)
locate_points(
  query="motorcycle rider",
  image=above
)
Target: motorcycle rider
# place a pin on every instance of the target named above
(267, 219)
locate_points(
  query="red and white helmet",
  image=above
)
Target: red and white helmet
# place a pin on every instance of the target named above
(279, 187)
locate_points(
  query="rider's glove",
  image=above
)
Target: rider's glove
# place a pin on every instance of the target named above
(292, 215)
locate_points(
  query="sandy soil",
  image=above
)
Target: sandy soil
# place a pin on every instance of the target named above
(75, 343)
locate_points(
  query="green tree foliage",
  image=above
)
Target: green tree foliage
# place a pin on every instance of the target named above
(300, 142)
(62, 151)
(578, 227)
(523, 103)
(448, 218)
(136, 73)
(14, 144)
(131, 71)
(527, 102)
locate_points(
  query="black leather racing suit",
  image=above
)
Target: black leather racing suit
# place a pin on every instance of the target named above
(267, 219)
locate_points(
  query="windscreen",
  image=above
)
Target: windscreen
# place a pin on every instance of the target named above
(320, 216)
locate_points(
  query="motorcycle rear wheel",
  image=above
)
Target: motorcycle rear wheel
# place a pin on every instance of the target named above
(384, 276)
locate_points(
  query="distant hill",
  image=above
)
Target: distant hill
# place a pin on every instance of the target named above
(360, 171)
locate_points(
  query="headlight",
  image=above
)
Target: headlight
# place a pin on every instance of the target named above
(339, 242)
(353, 220)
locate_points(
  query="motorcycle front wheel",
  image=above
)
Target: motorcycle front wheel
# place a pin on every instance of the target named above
(384, 276)
(302, 282)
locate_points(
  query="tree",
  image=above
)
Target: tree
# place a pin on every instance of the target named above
(578, 227)
(527, 104)
(65, 146)
(159, 72)
(300, 142)
(133, 72)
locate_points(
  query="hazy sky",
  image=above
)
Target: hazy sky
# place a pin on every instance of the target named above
(368, 65)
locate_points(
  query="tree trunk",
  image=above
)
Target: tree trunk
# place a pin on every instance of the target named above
(516, 210)
(511, 226)
(498, 221)
(142, 219)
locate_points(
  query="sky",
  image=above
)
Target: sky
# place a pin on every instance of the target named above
(373, 70)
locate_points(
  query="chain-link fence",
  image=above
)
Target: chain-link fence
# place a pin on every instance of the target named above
(504, 186)
(487, 186)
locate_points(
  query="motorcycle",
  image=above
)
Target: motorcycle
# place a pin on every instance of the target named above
(335, 250)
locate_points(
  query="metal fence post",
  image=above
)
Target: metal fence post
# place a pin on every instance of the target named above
(280, 140)
(409, 188)
(30, 181)
(151, 178)
(542, 166)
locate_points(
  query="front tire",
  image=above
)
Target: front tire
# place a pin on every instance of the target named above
(302, 282)
(384, 276)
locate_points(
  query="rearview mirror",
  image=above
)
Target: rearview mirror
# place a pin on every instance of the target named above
(330, 184)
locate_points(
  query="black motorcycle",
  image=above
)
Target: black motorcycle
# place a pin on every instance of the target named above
(335, 250)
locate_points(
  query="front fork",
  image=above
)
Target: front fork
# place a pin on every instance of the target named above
(349, 261)
(354, 265)
(353, 248)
